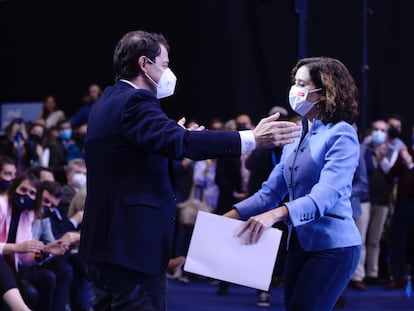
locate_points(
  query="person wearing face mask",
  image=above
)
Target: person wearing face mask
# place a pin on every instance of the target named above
(374, 213)
(76, 180)
(7, 173)
(17, 213)
(383, 147)
(18, 246)
(8, 285)
(62, 150)
(129, 147)
(34, 145)
(316, 173)
(66, 230)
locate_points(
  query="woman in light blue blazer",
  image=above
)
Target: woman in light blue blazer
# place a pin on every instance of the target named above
(316, 171)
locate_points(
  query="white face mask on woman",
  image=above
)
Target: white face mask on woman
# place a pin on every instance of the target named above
(298, 102)
(166, 84)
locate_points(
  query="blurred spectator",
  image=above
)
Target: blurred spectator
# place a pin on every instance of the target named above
(76, 180)
(34, 145)
(379, 158)
(402, 223)
(230, 125)
(16, 147)
(81, 116)
(43, 173)
(62, 150)
(7, 173)
(51, 114)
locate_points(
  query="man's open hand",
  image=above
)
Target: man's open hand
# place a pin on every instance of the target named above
(272, 133)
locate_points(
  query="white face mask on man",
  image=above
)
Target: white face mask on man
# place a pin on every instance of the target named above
(78, 181)
(167, 82)
(298, 100)
(378, 137)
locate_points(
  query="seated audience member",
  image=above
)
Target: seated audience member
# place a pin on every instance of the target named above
(76, 180)
(59, 220)
(62, 150)
(18, 246)
(8, 289)
(42, 173)
(78, 203)
(7, 173)
(57, 263)
(34, 145)
(67, 229)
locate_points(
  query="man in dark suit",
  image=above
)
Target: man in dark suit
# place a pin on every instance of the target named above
(128, 225)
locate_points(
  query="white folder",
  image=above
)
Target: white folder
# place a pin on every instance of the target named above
(216, 252)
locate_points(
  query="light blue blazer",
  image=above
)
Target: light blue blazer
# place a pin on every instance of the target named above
(317, 174)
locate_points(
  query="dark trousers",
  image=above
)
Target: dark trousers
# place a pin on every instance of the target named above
(118, 288)
(81, 292)
(315, 280)
(52, 280)
(7, 279)
(402, 236)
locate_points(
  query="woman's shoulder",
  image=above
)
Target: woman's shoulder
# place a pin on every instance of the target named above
(3, 204)
(341, 128)
(340, 125)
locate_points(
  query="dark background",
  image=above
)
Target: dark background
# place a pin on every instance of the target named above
(230, 56)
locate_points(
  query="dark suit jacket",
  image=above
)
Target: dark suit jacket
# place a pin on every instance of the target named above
(130, 207)
(60, 226)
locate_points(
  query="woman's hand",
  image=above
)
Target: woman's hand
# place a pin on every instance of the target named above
(254, 227)
(29, 246)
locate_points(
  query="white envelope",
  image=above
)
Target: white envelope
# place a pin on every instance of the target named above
(216, 252)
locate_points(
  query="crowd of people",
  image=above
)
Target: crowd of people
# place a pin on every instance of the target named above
(42, 198)
(351, 191)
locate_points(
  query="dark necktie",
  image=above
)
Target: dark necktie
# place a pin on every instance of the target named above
(11, 237)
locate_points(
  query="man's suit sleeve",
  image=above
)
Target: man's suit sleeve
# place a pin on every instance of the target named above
(146, 125)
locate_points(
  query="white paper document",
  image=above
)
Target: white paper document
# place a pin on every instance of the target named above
(216, 252)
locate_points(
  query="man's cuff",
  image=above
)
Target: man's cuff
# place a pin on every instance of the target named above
(248, 142)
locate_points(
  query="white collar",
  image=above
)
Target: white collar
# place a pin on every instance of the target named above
(130, 83)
